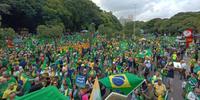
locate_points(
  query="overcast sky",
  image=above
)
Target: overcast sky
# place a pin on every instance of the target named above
(148, 9)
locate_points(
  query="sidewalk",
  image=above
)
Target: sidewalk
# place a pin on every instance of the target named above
(177, 90)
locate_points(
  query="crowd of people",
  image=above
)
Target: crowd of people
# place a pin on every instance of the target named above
(30, 69)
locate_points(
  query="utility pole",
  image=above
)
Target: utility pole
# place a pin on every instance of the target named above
(134, 17)
(134, 20)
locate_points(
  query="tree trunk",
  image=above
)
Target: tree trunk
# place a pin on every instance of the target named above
(55, 41)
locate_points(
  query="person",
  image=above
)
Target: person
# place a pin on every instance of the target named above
(89, 82)
(147, 68)
(12, 96)
(192, 65)
(84, 93)
(160, 89)
(170, 76)
(68, 91)
(192, 96)
(174, 56)
(149, 94)
(11, 88)
(184, 69)
(155, 78)
(62, 89)
(75, 93)
(55, 83)
(37, 86)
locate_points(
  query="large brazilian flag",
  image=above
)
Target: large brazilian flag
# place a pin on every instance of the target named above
(48, 93)
(122, 83)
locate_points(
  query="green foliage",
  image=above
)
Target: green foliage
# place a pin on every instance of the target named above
(108, 31)
(50, 31)
(4, 8)
(175, 25)
(6, 33)
(92, 28)
(111, 21)
(101, 29)
(133, 28)
(1, 38)
(74, 14)
(0, 20)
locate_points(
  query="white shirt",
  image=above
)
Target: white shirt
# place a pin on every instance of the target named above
(147, 63)
(192, 96)
(184, 66)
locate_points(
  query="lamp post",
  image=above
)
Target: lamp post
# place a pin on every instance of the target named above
(134, 21)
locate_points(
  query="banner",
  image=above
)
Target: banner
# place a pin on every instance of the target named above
(189, 37)
(80, 81)
(177, 64)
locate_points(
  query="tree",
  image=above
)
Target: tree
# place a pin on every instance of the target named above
(101, 29)
(4, 8)
(6, 33)
(0, 21)
(9, 33)
(176, 24)
(51, 31)
(74, 14)
(92, 28)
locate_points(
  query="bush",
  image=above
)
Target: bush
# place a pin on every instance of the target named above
(6, 33)
(50, 31)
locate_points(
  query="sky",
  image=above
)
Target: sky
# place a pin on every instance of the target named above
(144, 10)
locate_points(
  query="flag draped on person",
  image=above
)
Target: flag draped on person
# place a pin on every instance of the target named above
(123, 83)
(26, 83)
(69, 83)
(96, 93)
(4, 87)
(44, 65)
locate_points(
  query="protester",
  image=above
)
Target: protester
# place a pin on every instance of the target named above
(160, 90)
(149, 94)
(72, 67)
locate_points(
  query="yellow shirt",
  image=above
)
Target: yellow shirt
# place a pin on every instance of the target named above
(160, 89)
(91, 64)
(8, 91)
(174, 56)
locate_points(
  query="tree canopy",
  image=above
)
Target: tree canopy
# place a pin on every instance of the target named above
(75, 15)
(176, 24)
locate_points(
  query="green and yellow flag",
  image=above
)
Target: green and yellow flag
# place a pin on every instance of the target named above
(122, 83)
(44, 65)
(48, 93)
(26, 83)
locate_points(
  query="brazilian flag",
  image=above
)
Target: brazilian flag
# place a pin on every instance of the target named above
(148, 52)
(26, 83)
(122, 83)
